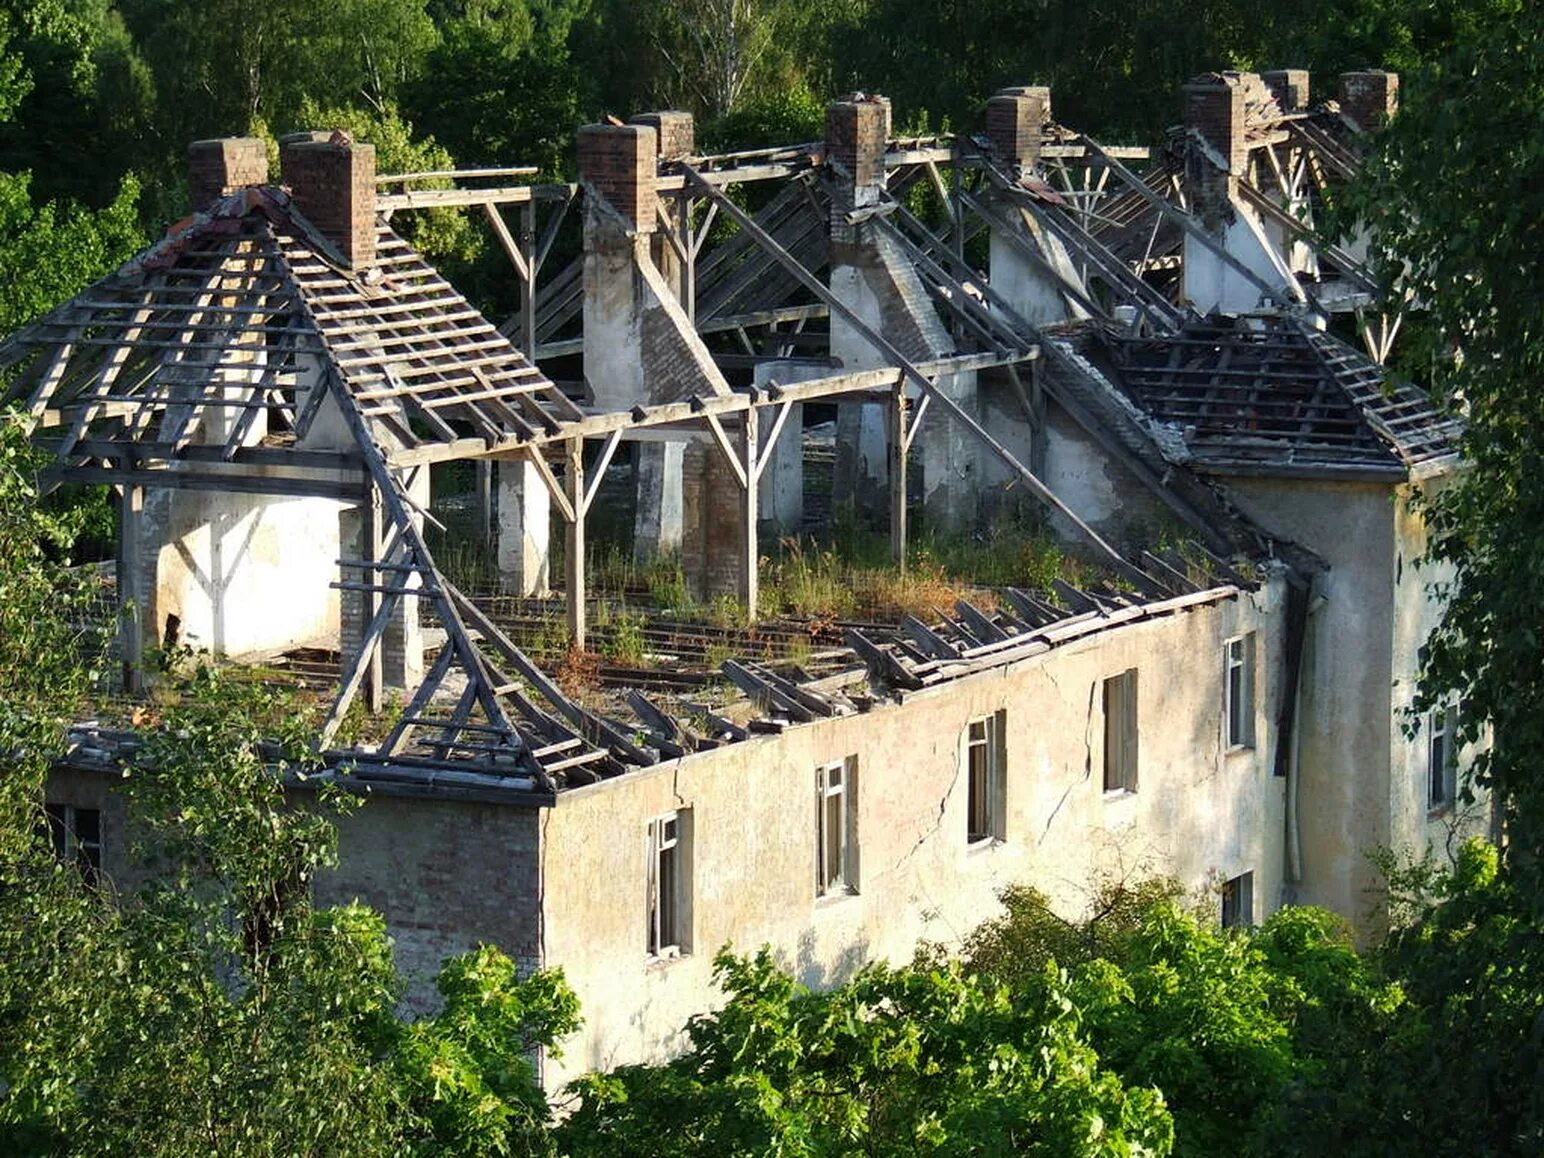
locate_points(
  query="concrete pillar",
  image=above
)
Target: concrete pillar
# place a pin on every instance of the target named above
(659, 525)
(1369, 99)
(522, 528)
(619, 163)
(780, 497)
(857, 132)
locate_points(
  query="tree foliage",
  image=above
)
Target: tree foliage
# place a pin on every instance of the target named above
(1455, 205)
(897, 1061)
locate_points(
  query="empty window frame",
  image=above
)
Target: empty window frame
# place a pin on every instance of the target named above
(669, 869)
(1238, 902)
(76, 834)
(986, 795)
(1441, 757)
(835, 860)
(1120, 732)
(1238, 690)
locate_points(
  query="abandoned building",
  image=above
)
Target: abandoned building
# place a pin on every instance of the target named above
(1134, 350)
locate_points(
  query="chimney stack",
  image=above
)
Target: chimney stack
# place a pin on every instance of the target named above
(1369, 98)
(217, 168)
(1214, 108)
(857, 135)
(1290, 88)
(1015, 121)
(620, 163)
(332, 180)
(675, 131)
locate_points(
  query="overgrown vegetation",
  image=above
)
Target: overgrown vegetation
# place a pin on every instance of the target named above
(214, 1009)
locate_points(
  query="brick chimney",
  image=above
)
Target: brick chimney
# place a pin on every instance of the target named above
(857, 134)
(1015, 119)
(676, 132)
(619, 163)
(1290, 88)
(1214, 107)
(219, 167)
(332, 180)
(1369, 98)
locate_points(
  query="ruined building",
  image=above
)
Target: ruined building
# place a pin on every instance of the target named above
(1135, 351)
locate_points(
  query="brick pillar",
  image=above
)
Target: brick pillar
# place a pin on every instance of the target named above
(1290, 88)
(332, 180)
(219, 167)
(1369, 98)
(676, 132)
(675, 136)
(619, 163)
(1214, 108)
(1015, 122)
(857, 134)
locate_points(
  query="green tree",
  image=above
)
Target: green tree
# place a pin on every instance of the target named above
(1454, 199)
(503, 86)
(897, 1061)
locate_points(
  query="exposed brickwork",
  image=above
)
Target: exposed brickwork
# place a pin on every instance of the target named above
(857, 133)
(1369, 98)
(1290, 88)
(712, 546)
(1015, 119)
(619, 163)
(333, 183)
(676, 131)
(219, 167)
(1214, 107)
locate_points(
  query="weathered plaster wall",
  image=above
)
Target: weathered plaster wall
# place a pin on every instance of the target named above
(1099, 489)
(1413, 825)
(1199, 813)
(1348, 675)
(242, 573)
(1212, 285)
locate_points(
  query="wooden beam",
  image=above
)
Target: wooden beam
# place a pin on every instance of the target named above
(608, 450)
(899, 442)
(719, 436)
(574, 555)
(131, 615)
(750, 558)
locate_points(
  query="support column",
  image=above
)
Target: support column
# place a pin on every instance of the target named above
(402, 647)
(131, 588)
(574, 561)
(660, 522)
(898, 437)
(373, 541)
(750, 578)
(781, 502)
(857, 134)
(523, 529)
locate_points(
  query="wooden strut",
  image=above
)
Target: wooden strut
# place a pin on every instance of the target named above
(929, 390)
(1188, 224)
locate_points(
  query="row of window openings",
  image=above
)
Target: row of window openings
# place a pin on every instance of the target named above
(986, 789)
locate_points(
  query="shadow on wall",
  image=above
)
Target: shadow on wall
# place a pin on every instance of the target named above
(814, 973)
